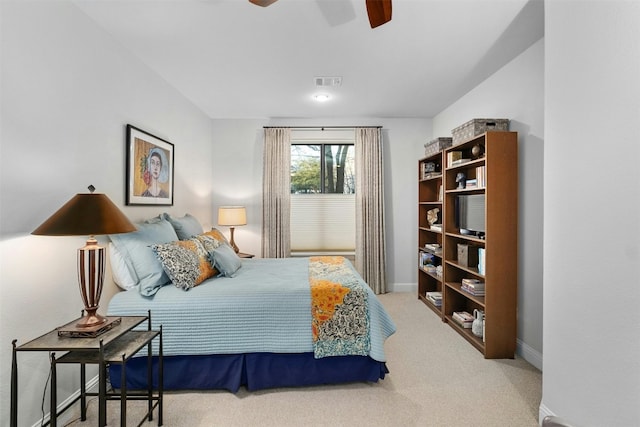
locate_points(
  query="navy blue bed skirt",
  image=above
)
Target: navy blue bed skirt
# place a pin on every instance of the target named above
(256, 371)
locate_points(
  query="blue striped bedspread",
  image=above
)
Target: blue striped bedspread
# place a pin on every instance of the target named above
(266, 307)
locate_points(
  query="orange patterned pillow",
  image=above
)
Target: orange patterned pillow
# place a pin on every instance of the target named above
(186, 262)
(217, 234)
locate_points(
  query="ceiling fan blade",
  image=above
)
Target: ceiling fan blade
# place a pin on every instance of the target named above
(379, 12)
(263, 3)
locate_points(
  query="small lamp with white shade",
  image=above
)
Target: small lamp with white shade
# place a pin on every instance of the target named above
(232, 216)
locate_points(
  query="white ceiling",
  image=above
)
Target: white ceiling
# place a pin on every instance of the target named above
(237, 60)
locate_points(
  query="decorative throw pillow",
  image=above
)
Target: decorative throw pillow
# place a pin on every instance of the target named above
(186, 227)
(209, 243)
(217, 234)
(226, 260)
(136, 250)
(185, 262)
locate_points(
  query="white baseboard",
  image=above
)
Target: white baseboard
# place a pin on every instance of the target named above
(67, 416)
(403, 287)
(529, 354)
(543, 412)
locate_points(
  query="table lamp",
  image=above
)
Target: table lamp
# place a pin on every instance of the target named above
(88, 214)
(232, 216)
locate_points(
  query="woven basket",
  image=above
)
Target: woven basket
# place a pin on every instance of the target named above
(476, 127)
(436, 145)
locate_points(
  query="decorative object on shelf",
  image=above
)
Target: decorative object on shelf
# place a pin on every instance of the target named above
(453, 156)
(232, 216)
(427, 259)
(477, 326)
(461, 179)
(430, 170)
(149, 169)
(432, 216)
(477, 151)
(476, 127)
(88, 214)
(467, 255)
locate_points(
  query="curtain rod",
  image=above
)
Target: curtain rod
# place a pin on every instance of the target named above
(320, 127)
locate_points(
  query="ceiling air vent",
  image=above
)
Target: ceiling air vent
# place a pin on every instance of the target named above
(328, 81)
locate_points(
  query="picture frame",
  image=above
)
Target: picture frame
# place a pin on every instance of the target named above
(150, 170)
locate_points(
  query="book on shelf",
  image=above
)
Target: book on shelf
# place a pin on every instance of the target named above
(473, 283)
(474, 292)
(460, 162)
(433, 247)
(481, 176)
(463, 319)
(430, 268)
(481, 260)
(474, 287)
(436, 227)
(429, 175)
(471, 183)
(434, 294)
(435, 298)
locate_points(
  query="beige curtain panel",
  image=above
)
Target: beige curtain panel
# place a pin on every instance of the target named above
(370, 226)
(276, 197)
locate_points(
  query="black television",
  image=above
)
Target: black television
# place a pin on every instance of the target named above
(470, 214)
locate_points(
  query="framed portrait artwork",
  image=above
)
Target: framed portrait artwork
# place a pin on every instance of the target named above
(149, 169)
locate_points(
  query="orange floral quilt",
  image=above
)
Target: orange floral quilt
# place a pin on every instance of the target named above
(340, 315)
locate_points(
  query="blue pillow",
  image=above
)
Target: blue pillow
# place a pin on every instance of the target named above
(185, 227)
(226, 261)
(136, 250)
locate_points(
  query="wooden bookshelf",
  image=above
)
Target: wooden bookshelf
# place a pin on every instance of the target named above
(497, 171)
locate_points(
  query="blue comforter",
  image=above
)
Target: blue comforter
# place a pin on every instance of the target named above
(266, 307)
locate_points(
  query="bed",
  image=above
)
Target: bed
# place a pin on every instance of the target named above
(270, 323)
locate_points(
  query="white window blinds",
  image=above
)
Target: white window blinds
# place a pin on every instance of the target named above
(323, 222)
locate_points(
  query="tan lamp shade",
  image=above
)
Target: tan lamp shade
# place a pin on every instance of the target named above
(232, 215)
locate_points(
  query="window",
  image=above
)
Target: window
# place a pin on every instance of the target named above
(323, 193)
(322, 168)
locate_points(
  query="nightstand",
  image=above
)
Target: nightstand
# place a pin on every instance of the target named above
(243, 255)
(117, 345)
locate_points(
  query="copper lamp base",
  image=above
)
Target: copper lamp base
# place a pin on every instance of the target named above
(91, 265)
(91, 320)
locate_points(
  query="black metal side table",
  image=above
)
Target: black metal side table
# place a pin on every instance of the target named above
(117, 345)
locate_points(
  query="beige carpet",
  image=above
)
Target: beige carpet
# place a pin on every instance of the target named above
(436, 379)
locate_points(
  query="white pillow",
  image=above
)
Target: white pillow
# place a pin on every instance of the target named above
(122, 276)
